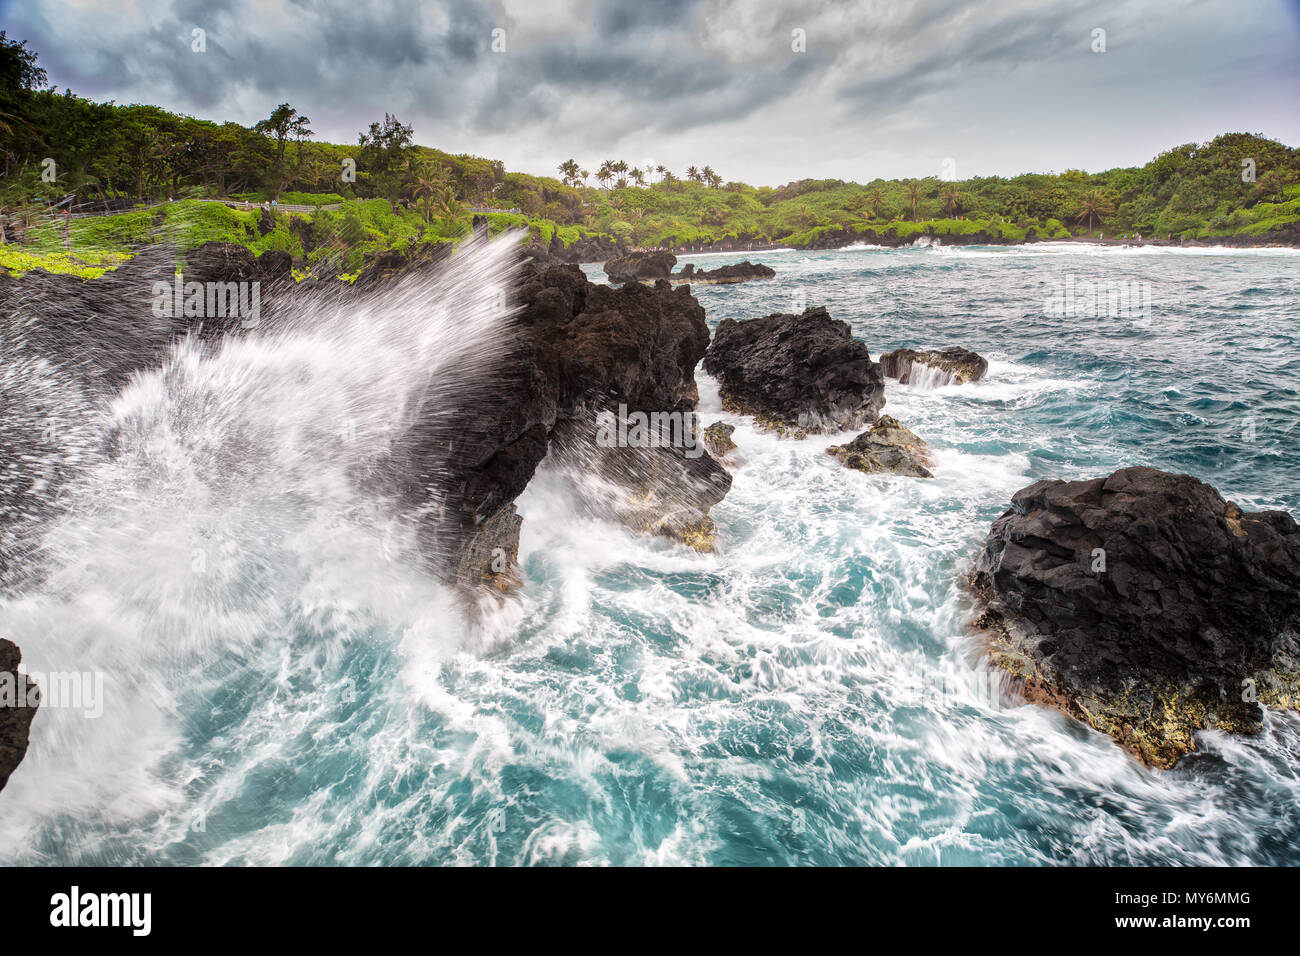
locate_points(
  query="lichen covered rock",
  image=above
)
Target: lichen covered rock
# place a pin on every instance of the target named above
(717, 439)
(886, 447)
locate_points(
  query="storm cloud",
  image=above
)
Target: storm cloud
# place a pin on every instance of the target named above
(762, 91)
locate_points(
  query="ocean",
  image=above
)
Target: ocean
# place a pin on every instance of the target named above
(811, 693)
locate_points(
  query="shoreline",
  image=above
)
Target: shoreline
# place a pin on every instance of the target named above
(983, 239)
(972, 239)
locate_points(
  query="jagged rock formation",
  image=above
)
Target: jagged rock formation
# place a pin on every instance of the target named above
(578, 349)
(19, 698)
(886, 447)
(584, 349)
(1145, 605)
(950, 366)
(586, 249)
(641, 267)
(796, 374)
(652, 266)
(723, 275)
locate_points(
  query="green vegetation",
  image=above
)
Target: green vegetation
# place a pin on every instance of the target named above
(385, 192)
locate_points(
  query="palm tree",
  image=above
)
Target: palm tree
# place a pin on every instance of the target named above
(1093, 206)
(709, 176)
(951, 198)
(569, 172)
(913, 190)
(606, 172)
(431, 185)
(692, 174)
(662, 170)
(875, 201)
(637, 176)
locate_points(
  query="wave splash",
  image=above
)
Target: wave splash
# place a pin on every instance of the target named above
(226, 503)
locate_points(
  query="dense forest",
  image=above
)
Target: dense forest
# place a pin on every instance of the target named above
(158, 172)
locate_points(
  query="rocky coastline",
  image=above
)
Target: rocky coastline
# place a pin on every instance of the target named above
(1140, 603)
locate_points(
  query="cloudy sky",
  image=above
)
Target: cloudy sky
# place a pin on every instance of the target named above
(880, 88)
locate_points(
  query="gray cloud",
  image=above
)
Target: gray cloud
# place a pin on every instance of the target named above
(885, 88)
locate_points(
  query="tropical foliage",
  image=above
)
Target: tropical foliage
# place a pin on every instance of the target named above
(60, 150)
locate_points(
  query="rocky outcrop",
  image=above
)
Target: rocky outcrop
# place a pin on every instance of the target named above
(19, 698)
(886, 447)
(950, 366)
(231, 262)
(796, 374)
(1145, 605)
(641, 267)
(576, 349)
(717, 439)
(652, 266)
(581, 350)
(379, 268)
(723, 275)
(586, 249)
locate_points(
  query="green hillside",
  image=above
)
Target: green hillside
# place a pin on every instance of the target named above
(386, 192)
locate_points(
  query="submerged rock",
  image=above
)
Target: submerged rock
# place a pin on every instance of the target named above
(19, 698)
(796, 374)
(641, 267)
(950, 366)
(1145, 605)
(886, 447)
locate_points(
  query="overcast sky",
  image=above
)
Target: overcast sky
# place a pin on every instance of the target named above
(883, 88)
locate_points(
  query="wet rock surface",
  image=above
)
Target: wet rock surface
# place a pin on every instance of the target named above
(796, 374)
(724, 275)
(575, 349)
(584, 349)
(886, 447)
(948, 366)
(19, 698)
(641, 267)
(717, 439)
(1145, 605)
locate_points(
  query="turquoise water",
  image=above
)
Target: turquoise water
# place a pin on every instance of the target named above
(808, 694)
